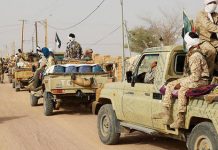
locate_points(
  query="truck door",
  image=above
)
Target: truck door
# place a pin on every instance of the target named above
(137, 100)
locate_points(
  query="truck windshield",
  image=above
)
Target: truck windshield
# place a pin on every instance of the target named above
(146, 68)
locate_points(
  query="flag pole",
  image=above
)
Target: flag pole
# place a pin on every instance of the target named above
(123, 36)
(55, 42)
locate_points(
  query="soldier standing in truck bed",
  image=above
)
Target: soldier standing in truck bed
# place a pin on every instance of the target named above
(207, 27)
(74, 49)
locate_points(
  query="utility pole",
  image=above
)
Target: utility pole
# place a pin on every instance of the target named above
(6, 50)
(32, 43)
(22, 34)
(36, 28)
(46, 32)
(123, 34)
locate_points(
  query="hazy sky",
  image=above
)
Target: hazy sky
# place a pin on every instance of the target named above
(64, 13)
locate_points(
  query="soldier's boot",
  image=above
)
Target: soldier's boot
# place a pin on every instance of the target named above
(165, 115)
(179, 122)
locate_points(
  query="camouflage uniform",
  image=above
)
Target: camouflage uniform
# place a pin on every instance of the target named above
(73, 50)
(207, 32)
(198, 77)
(1, 70)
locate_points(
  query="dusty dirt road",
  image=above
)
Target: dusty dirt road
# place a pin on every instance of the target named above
(23, 127)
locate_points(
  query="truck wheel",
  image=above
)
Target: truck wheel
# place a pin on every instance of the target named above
(17, 86)
(10, 80)
(33, 100)
(17, 89)
(107, 125)
(48, 104)
(13, 85)
(203, 136)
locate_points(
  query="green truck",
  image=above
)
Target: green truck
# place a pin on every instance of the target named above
(130, 105)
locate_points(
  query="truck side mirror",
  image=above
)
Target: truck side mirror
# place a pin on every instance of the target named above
(129, 76)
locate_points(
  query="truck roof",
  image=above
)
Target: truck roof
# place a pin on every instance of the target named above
(164, 49)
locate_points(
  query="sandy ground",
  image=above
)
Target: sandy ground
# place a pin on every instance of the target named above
(23, 127)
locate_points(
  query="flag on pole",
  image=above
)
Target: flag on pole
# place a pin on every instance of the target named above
(57, 40)
(188, 26)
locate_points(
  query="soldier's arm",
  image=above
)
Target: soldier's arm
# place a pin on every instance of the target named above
(195, 68)
(66, 53)
(206, 23)
(79, 50)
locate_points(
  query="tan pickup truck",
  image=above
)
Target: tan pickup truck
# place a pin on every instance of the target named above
(78, 87)
(21, 78)
(129, 105)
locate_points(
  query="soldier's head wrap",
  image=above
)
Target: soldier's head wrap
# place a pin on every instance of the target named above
(191, 39)
(19, 50)
(209, 1)
(45, 52)
(50, 49)
(38, 48)
(209, 6)
(72, 37)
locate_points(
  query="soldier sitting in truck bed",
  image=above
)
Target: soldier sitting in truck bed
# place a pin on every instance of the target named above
(198, 75)
(36, 83)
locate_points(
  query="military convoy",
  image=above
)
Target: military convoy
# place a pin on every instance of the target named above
(130, 105)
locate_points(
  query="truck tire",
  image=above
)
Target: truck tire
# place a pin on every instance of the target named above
(17, 89)
(33, 100)
(48, 104)
(203, 136)
(13, 85)
(107, 125)
(10, 80)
